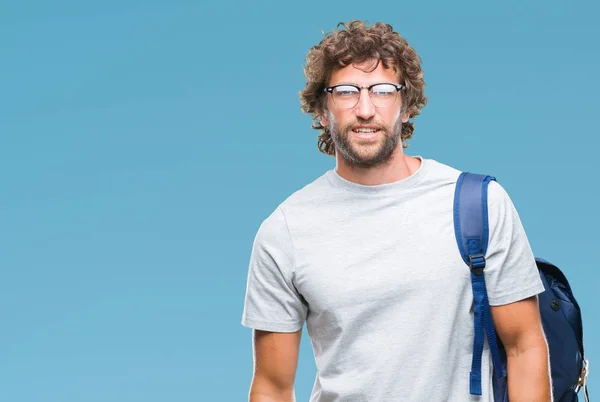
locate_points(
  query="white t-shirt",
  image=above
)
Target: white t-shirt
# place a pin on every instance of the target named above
(376, 273)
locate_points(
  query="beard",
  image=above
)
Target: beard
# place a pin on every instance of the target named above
(361, 154)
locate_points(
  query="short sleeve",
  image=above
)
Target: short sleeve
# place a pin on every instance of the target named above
(511, 273)
(272, 303)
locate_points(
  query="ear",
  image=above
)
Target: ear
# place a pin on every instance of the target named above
(324, 120)
(404, 117)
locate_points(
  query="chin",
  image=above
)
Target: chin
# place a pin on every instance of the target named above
(369, 152)
(368, 160)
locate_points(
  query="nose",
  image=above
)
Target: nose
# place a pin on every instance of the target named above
(365, 109)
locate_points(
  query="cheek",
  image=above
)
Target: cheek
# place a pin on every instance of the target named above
(391, 117)
(339, 119)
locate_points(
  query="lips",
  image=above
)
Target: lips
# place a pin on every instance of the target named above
(365, 132)
(365, 129)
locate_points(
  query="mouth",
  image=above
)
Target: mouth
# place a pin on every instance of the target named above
(366, 133)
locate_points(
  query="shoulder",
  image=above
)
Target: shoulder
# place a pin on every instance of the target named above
(309, 194)
(306, 202)
(439, 176)
(498, 197)
(442, 175)
(303, 199)
(446, 174)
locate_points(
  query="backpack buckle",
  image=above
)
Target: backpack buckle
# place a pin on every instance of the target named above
(583, 376)
(477, 263)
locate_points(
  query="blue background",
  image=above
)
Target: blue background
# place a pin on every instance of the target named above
(142, 143)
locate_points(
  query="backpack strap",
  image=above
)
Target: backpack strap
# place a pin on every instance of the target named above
(472, 231)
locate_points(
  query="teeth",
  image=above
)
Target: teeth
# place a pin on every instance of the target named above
(365, 130)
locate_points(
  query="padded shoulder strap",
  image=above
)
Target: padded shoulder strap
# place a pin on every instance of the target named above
(471, 214)
(472, 231)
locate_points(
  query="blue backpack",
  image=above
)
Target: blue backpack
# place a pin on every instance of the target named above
(561, 316)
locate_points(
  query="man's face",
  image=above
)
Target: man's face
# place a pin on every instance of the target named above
(351, 129)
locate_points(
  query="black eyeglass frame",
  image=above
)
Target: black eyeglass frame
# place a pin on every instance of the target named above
(399, 87)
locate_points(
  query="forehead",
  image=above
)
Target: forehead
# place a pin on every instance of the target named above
(363, 74)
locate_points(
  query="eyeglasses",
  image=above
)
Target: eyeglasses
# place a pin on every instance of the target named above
(346, 96)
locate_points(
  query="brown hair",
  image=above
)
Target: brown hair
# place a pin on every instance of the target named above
(355, 44)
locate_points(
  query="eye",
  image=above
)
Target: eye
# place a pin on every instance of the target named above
(383, 90)
(345, 91)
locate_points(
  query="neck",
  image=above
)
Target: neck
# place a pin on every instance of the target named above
(399, 167)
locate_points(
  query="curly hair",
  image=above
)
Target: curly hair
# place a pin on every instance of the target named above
(356, 44)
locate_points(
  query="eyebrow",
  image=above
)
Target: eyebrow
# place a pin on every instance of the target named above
(344, 83)
(358, 85)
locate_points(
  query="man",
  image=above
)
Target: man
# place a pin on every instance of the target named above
(367, 256)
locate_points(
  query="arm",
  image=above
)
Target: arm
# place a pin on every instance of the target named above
(275, 363)
(520, 329)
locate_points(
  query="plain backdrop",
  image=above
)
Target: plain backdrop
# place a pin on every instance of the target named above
(142, 143)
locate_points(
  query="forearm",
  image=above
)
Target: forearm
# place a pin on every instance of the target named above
(528, 374)
(264, 391)
(257, 397)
